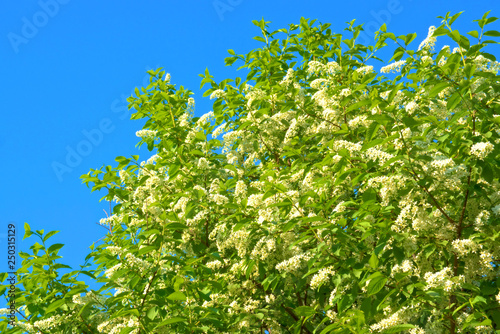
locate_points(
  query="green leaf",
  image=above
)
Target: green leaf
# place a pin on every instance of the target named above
(152, 313)
(55, 247)
(376, 284)
(304, 311)
(48, 235)
(177, 296)
(54, 306)
(27, 231)
(492, 33)
(373, 262)
(453, 101)
(487, 173)
(170, 321)
(438, 88)
(473, 33)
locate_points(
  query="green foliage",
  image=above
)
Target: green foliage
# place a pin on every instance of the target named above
(338, 200)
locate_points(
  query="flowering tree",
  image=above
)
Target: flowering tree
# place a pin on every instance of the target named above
(319, 196)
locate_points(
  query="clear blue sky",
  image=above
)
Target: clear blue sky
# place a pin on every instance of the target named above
(67, 67)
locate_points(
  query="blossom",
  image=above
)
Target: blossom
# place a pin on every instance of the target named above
(439, 279)
(364, 70)
(464, 246)
(145, 133)
(395, 319)
(322, 277)
(394, 67)
(481, 150)
(217, 94)
(429, 41)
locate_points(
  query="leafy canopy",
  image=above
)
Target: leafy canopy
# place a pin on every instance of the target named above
(319, 196)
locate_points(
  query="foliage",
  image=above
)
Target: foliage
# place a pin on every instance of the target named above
(338, 199)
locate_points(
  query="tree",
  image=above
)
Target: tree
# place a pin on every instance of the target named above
(338, 199)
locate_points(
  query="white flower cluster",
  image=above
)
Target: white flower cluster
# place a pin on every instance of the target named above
(373, 154)
(270, 298)
(317, 83)
(214, 265)
(314, 67)
(240, 189)
(219, 130)
(322, 277)
(341, 144)
(439, 279)
(203, 163)
(394, 67)
(219, 199)
(254, 95)
(429, 41)
(199, 216)
(254, 200)
(364, 70)
(288, 78)
(48, 323)
(145, 134)
(264, 248)
(114, 250)
(217, 94)
(405, 267)
(417, 330)
(181, 205)
(205, 119)
(481, 150)
(395, 319)
(89, 297)
(486, 260)
(294, 263)
(464, 246)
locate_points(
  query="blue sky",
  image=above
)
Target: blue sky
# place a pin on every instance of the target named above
(68, 66)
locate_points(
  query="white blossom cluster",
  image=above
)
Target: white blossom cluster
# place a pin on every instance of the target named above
(440, 279)
(322, 277)
(146, 133)
(481, 150)
(394, 67)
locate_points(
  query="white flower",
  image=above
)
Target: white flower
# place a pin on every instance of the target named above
(481, 150)
(220, 129)
(395, 319)
(240, 189)
(167, 78)
(429, 41)
(203, 163)
(464, 246)
(394, 67)
(365, 70)
(316, 84)
(321, 277)
(145, 133)
(439, 279)
(217, 94)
